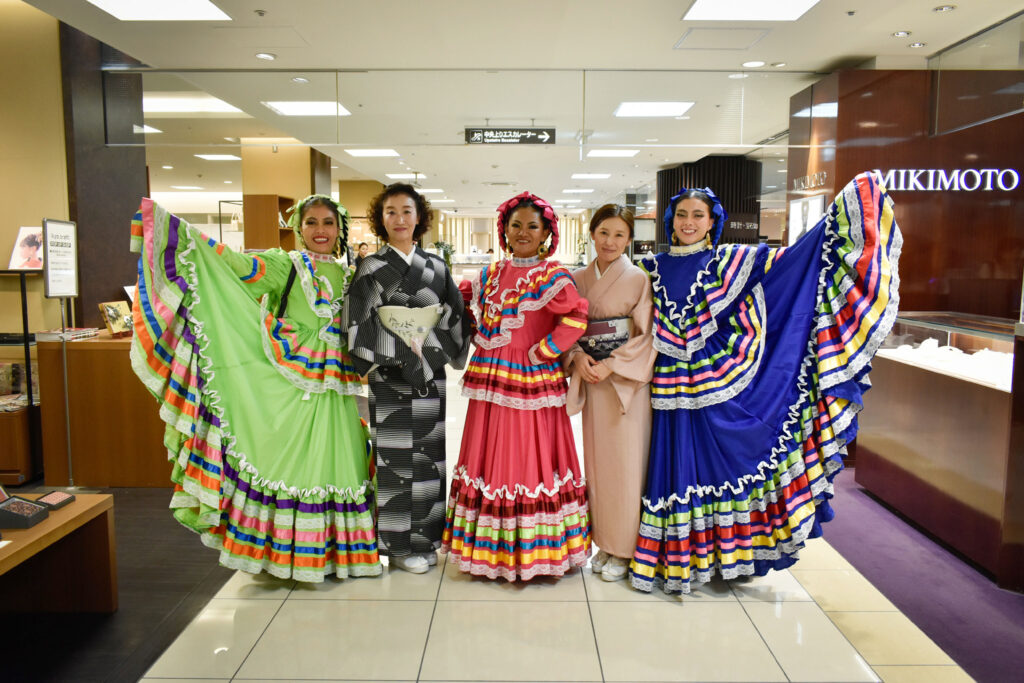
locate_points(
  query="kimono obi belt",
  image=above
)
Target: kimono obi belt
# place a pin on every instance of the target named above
(604, 336)
(411, 325)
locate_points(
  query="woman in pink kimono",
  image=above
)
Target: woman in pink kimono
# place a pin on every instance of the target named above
(611, 368)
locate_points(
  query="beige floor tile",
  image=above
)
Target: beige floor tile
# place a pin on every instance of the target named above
(458, 585)
(256, 586)
(818, 554)
(772, 587)
(511, 641)
(842, 591)
(344, 639)
(889, 638)
(922, 674)
(692, 641)
(599, 590)
(393, 584)
(806, 644)
(217, 641)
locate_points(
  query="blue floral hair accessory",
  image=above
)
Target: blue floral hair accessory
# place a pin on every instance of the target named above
(718, 213)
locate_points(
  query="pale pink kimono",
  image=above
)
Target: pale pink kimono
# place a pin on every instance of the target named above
(616, 411)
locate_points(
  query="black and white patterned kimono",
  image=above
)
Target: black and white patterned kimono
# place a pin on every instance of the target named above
(407, 393)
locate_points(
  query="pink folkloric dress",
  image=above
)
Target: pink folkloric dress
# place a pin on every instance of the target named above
(518, 502)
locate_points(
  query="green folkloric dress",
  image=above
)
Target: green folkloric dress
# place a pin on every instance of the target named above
(271, 463)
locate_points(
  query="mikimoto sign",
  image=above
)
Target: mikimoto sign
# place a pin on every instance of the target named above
(510, 136)
(955, 180)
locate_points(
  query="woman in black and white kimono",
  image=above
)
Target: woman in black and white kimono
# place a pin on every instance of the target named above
(404, 351)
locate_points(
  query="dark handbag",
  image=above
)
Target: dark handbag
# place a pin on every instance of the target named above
(604, 336)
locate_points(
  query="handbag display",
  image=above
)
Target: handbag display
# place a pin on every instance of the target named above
(604, 336)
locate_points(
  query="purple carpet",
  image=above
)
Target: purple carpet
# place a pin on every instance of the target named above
(978, 624)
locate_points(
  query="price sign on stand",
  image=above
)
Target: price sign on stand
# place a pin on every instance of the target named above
(60, 265)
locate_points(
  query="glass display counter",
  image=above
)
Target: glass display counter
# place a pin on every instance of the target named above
(935, 432)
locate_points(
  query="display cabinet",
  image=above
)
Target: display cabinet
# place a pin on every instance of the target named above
(21, 454)
(935, 433)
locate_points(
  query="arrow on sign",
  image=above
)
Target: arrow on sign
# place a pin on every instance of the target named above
(544, 137)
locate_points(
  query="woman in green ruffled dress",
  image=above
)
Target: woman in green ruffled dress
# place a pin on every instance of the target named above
(244, 354)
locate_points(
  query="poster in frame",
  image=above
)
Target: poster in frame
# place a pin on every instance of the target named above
(27, 253)
(60, 258)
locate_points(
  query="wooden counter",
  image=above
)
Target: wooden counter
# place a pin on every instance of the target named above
(66, 563)
(116, 431)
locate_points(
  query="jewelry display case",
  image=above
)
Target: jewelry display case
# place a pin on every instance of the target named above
(935, 433)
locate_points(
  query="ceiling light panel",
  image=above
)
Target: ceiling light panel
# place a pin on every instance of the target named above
(407, 176)
(613, 153)
(138, 130)
(591, 176)
(578, 191)
(371, 152)
(310, 108)
(748, 10)
(652, 109)
(161, 10)
(218, 157)
(184, 103)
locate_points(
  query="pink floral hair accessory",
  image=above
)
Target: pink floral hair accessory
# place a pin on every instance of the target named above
(547, 213)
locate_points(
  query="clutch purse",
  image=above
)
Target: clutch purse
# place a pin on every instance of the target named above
(604, 336)
(411, 325)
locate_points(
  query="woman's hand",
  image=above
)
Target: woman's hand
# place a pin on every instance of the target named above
(589, 370)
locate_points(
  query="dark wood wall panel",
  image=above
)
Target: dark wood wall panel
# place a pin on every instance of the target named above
(104, 183)
(963, 251)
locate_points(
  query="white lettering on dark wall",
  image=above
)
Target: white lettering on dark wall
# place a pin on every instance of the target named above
(956, 180)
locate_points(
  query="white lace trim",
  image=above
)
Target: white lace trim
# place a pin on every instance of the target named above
(304, 270)
(726, 393)
(573, 559)
(498, 398)
(474, 517)
(517, 489)
(211, 396)
(677, 316)
(512, 322)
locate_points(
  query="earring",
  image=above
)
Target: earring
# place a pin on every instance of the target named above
(675, 240)
(542, 251)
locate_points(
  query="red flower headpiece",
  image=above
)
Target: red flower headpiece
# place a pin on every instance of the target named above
(547, 213)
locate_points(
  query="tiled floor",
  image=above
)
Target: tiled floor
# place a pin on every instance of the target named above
(822, 621)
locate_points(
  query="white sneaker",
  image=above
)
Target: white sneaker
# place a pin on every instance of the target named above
(415, 564)
(598, 560)
(615, 569)
(431, 558)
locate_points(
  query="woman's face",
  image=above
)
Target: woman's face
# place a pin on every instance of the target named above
(611, 237)
(692, 221)
(364, 249)
(319, 229)
(399, 213)
(525, 232)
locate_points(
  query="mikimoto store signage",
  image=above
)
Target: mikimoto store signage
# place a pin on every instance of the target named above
(510, 136)
(946, 180)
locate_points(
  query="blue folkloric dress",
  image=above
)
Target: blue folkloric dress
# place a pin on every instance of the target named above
(763, 360)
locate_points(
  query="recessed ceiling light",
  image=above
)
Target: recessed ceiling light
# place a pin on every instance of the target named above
(748, 10)
(266, 56)
(900, 34)
(371, 152)
(754, 64)
(578, 191)
(737, 75)
(231, 139)
(778, 65)
(139, 130)
(184, 103)
(916, 45)
(320, 108)
(591, 176)
(160, 10)
(432, 190)
(782, 170)
(227, 182)
(406, 176)
(613, 152)
(442, 201)
(652, 109)
(185, 187)
(944, 8)
(651, 140)
(218, 157)
(300, 79)
(167, 168)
